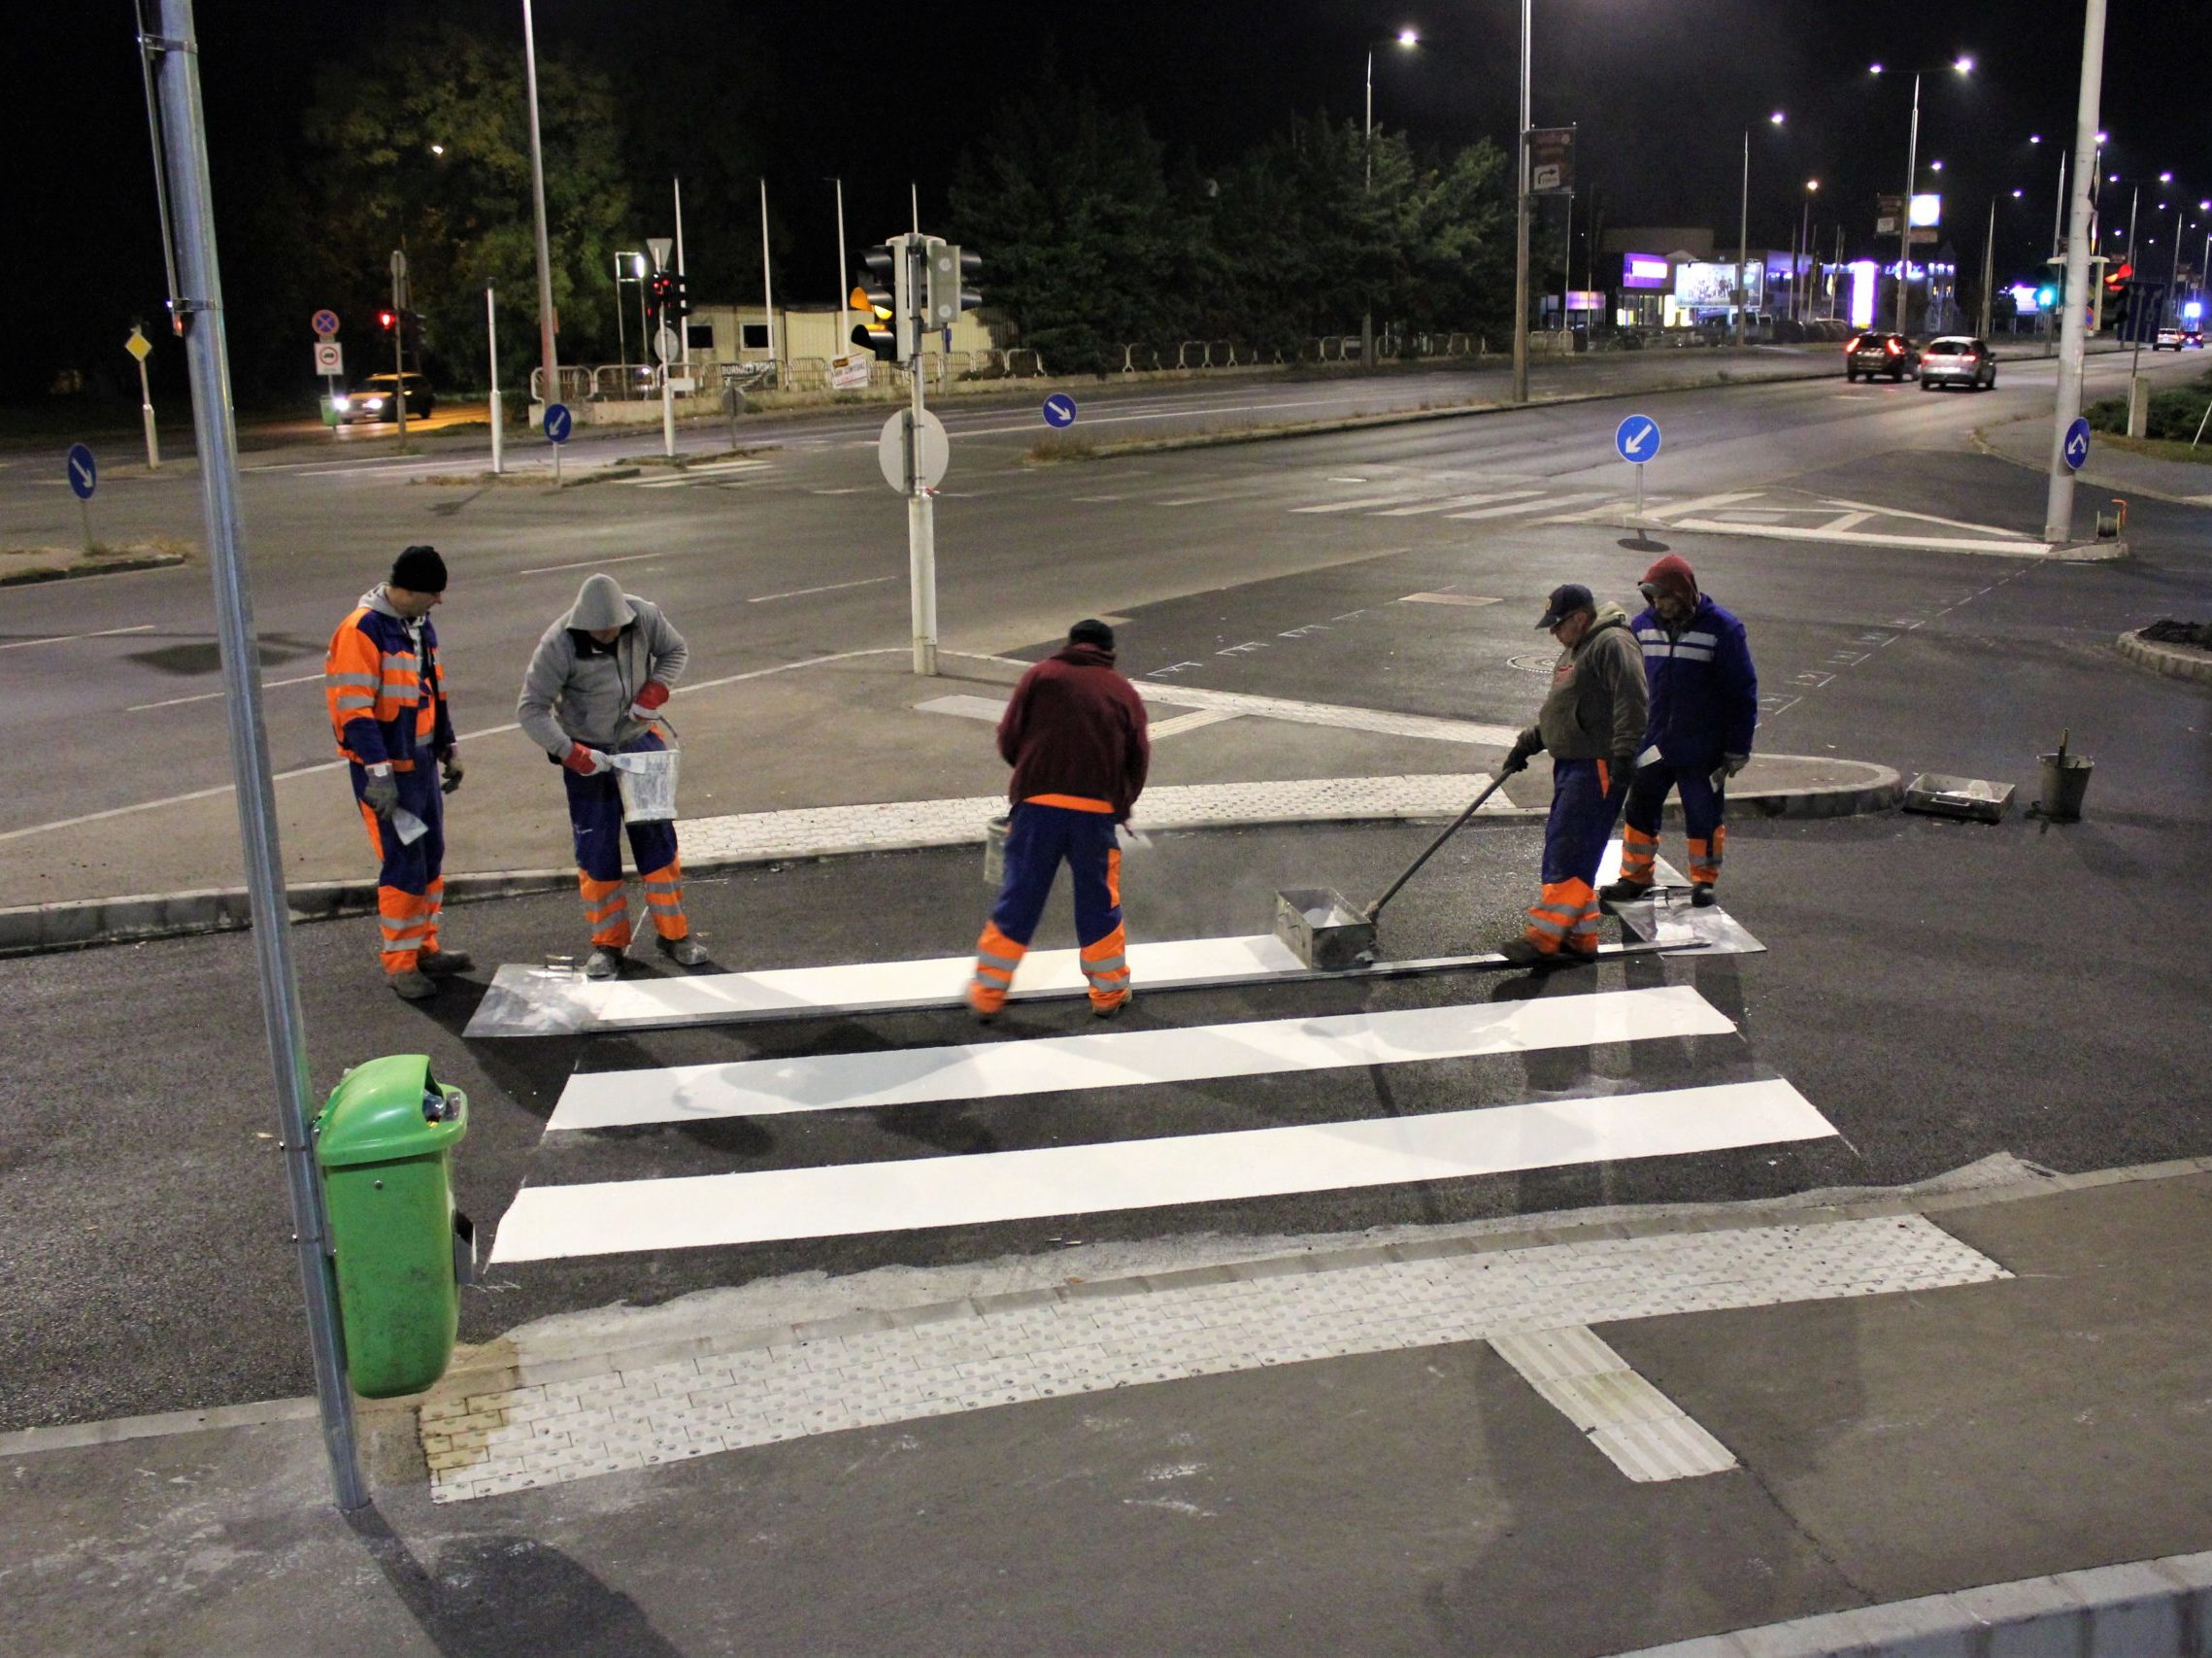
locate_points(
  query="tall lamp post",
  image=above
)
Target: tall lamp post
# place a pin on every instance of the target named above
(1408, 39)
(1960, 66)
(1801, 287)
(548, 353)
(1989, 266)
(2059, 503)
(1743, 227)
(1521, 229)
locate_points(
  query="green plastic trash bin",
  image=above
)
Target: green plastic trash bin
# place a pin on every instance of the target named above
(402, 1250)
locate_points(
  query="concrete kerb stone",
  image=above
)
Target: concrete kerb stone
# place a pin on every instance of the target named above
(30, 930)
(2129, 1611)
(2176, 661)
(102, 567)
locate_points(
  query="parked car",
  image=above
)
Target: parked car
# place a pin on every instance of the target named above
(374, 398)
(2177, 338)
(1956, 359)
(1876, 352)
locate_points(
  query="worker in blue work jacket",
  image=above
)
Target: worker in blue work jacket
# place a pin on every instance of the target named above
(1704, 697)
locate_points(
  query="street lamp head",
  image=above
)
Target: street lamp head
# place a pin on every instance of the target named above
(2035, 138)
(1873, 68)
(437, 149)
(2104, 137)
(637, 264)
(1965, 65)
(1776, 117)
(2017, 194)
(1812, 183)
(1409, 37)
(1935, 166)
(2165, 178)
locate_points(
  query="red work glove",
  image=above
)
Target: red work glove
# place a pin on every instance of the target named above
(583, 761)
(650, 696)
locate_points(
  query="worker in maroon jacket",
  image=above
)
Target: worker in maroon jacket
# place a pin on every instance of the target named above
(1074, 733)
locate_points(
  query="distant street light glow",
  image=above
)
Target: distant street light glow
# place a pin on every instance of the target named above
(1408, 36)
(1965, 66)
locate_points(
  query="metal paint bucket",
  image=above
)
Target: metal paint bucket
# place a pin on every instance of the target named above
(994, 852)
(2066, 781)
(648, 782)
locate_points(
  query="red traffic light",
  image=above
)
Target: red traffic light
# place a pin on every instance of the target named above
(387, 321)
(2116, 279)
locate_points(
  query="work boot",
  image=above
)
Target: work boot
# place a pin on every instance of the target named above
(1624, 891)
(444, 964)
(1522, 954)
(1701, 895)
(1113, 1009)
(606, 962)
(684, 952)
(411, 985)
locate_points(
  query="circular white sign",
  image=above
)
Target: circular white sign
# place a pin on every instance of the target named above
(329, 357)
(932, 452)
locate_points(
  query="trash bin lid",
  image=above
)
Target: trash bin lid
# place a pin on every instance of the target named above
(376, 1115)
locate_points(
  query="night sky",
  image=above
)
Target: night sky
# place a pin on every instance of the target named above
(1661, 89)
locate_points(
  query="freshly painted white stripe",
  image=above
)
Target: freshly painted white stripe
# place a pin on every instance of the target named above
(1455, 501)
(1646, 1433)
(833, 587)
(215, 696)
(1866, 538)
(1192, 722)
(1603, 510)
(1447, 598)
(1515, 507)
(1128, 1058)
(1360, 505)
(588, 564)
(1848, 521)
(699, 1211)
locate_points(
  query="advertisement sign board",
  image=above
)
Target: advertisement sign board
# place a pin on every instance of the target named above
(1645, 270)
(1700, 283)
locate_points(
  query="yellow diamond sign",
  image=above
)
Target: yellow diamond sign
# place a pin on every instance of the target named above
(139, 346)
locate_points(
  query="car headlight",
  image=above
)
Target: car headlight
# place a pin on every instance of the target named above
(341, 402)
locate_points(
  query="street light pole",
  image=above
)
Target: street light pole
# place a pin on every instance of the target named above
(1521, 231)
(1367, 189)
(1988, 267)
(1743, 237)
(622, 340)
(548, 354)
(2059, 506)
(1905, 208)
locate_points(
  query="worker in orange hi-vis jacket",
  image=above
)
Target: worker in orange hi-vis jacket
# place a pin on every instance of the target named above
(382, 683)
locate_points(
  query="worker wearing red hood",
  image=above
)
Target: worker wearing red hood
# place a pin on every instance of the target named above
(1704, 707)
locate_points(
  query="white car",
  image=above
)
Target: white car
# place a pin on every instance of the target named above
(1957, 359)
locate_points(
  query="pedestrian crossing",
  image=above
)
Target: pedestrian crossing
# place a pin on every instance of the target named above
(725, 474)
(1445, 497)
(1269, 1108)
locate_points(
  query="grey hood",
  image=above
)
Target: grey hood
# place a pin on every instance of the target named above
(600, 602)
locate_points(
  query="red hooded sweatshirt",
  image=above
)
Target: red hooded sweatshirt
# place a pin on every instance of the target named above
(1076, 728)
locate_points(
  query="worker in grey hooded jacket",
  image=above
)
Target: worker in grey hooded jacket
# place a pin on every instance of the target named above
(595, 687)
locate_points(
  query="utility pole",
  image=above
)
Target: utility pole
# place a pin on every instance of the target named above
(399, 339)
(1905, 209)
(491, 345)
(1743, 238)
(1521, 231)
(2059, 506)
(1989, 268)
(768, 289)
(684, 339)
(548, 356)
(196, 304)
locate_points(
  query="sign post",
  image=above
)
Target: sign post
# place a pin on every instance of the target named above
(664, 347)
(559, 422)
(329, 357)
(139, 347)
(492, 346)
(83, 478)
(1636, 440)
(399, 338)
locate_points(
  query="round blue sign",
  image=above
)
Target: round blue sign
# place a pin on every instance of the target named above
(1059, 410)
(1637, 438)
(83, 471)
(559, 422)
(2077, 443)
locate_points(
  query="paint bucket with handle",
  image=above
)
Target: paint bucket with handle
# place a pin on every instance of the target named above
(2065, 783)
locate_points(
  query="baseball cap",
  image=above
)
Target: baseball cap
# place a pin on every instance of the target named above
(1566, 599)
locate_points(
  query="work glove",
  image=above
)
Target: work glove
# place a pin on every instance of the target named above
(1731, 763)
(1516, 756)
(453, 769)
(381, 790)
(650, 696)
(1623, 766)
(583, 761)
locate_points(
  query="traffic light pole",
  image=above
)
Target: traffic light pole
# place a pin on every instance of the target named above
(1521, 231)
(920, 504)
(196, 304)
(399, 339)
(2059, 508)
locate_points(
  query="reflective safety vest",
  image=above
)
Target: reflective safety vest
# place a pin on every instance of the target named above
(387, 701)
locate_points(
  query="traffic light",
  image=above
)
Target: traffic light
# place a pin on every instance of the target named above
(2046, 296)
(2122, 316)
(950, 269)
(387, 321)
(664, 297)
(2117, 278)
(886, 297)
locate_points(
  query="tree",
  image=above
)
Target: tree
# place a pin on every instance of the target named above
(423, 145)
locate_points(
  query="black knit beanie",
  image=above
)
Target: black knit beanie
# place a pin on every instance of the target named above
(1092, 632)
(419, 569)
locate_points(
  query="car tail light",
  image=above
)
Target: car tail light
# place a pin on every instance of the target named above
(1892, 347)
(1970, 357)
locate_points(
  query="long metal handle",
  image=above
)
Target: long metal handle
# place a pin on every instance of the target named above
(1375, 908)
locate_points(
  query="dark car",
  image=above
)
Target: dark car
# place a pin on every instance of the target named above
(1875, 353)
(1954, 359)
(374, 398)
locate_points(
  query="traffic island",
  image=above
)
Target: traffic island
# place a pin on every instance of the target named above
(23, 565)
(2179, 650)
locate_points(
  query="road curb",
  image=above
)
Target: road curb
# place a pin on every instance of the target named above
(2175, 661)
(2110, 1611)
(31, 930)
(77, 572)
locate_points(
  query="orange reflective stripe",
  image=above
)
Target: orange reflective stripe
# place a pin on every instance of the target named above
(1114, 876)
(1070, 802)
(1632, 835)
(1604, 778)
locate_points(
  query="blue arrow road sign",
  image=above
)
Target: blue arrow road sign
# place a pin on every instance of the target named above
(1637, 438)
(83, 471)
(1059, 410)
(2077, 443)
(559, 422)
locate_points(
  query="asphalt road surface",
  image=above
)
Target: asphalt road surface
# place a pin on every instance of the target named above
(1936, 991)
